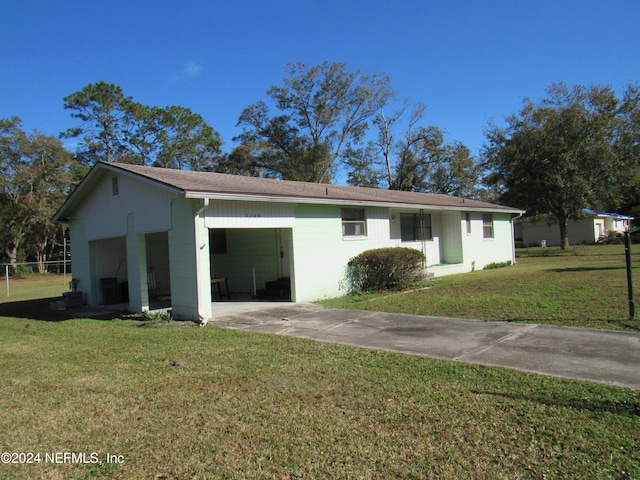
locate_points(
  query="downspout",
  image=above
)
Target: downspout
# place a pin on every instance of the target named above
(203, 207)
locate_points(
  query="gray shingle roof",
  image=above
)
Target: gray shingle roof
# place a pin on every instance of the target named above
(207, 184)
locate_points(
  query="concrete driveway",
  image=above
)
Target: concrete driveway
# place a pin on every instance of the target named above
(595, 355)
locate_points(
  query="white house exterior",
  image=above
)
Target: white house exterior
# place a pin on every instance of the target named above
(589, 229)
(140, 231)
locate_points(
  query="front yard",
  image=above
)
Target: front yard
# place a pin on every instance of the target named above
(127, 398)
(583, 287)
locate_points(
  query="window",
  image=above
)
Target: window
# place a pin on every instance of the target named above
(412, 230)
(467, 218)
(354, 223)
(487, 225)
(217, 240)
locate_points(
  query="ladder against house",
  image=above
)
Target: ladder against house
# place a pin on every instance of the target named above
(275, 290)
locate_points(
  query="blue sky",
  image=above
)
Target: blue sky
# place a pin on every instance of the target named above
(469, 61)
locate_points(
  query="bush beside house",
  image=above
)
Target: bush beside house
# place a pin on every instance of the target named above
(391, 268)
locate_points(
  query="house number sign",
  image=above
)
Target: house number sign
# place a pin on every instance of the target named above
(252, 215)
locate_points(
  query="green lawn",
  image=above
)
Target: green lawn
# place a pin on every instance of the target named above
(585, 287)
(178, 401)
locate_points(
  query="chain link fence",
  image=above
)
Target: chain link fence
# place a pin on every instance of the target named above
(13, 272)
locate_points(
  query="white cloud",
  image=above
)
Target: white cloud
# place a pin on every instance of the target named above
(190, 70)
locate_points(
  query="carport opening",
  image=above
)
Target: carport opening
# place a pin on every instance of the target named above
(250, 264)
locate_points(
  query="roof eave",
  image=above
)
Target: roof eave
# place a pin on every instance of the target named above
(338, 201)
(63, 215)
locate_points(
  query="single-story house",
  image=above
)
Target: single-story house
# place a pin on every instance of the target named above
(544, 230)
(142, 232)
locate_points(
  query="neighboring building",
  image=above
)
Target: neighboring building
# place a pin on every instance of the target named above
(140, 231)
(594, 226)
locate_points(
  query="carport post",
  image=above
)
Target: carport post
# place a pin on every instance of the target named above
(627, 250)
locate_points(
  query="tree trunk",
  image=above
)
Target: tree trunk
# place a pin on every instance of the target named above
(41, 252)
(564, 239)
(41, 258)
(11, 250)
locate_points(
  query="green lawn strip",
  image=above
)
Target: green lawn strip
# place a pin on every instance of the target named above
(185, 402)
(30, 287)
(584, 290)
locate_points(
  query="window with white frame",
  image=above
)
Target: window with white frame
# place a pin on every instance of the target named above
(415, 227)
(487, 225)
(354, 222)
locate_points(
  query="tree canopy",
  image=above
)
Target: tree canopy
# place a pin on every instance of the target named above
(35, 175)
(323, 122)
(573, 150)
(115, 128)
(322, 109)
(409, 156)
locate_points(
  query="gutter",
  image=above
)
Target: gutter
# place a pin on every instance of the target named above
(334, 201)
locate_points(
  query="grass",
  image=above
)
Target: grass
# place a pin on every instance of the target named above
(585, 287)
(190, 402)
(177, 401)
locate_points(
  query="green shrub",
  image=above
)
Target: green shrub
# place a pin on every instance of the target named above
(157, 316)
(386, 269)
(494, 265)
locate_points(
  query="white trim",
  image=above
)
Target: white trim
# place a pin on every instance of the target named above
(329, 201)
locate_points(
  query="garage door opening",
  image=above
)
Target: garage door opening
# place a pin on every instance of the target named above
(251, 264)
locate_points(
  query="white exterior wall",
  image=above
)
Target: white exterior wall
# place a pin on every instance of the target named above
(241, 214)
(105, 214)
(320, 253)
(137, 268)
(431, 248)
(189, 259)
(479, 251)
(148, 226)
(82, 261)
(617, 225)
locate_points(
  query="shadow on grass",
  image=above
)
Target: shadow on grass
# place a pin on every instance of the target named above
(586, 269)
(598, 324)
(593, 404)
(40, 309)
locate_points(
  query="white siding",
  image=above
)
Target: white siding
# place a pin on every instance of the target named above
(82, 261)
(239, 214)
(105, 214)
(137, 267)
(479, 251)
(189, 258)
(320, 253)
(431, 248)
